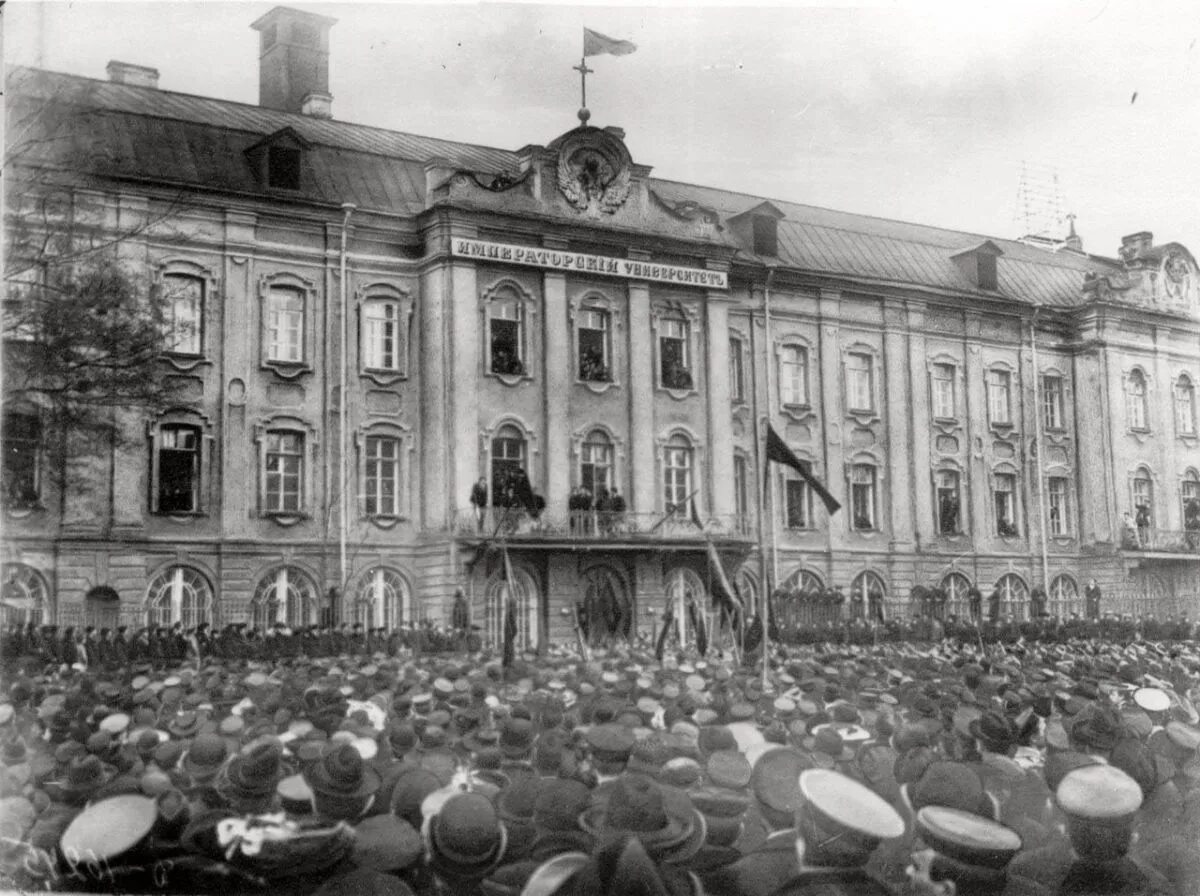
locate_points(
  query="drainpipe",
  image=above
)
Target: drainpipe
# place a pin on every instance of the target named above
(343, 388)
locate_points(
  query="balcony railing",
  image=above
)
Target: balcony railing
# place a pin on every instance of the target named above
(1163, 541)
(599, 526)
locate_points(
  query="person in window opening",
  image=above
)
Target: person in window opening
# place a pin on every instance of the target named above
(592, 368)
(677, 376)
(616, 508)
(862, 519)
(461, 615)
(1091, 600)
(1143, 524)
(1191, 522)
(604, 510)
(505, 361)
(1129, 531)
(479, 500)
(948, 512)
(579, 503)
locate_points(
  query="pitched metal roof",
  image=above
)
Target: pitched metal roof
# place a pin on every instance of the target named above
(134, 132)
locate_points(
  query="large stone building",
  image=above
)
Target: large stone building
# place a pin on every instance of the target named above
(368, 322)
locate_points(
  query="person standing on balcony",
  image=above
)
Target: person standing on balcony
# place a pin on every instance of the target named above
(479, 500)
(617, 508)
(1143, 524)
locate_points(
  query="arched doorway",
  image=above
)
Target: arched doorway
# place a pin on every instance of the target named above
(608, 612)
(683, 589)
(25, 597)
(523, 589)
(102, 607)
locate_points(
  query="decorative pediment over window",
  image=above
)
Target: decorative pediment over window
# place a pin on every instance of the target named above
(278, 160)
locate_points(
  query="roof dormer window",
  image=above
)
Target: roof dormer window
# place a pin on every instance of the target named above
(283, 167)
(766, 235)
(978, 265)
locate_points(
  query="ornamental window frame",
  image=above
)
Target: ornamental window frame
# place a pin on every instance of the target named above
(1064, 517)
(678, 472)
(488, 437)
(1014, 595)
(270, 286)
(737, 368)
(402, 506)
(401, 305)
(178, 418)
(1052, 400)
(943, 407)
(949, 469)
(799, 396)
(1189, 489)
(1137, 402)
(853, 378)
(309, 441)
(998, 386)
(507, 300)
(857, 469)
(1006, 475)
(186, 268)
(682, 320)
(585, 437)
(582, 307)
(1143, 484)
(1183, 400)
(796, 495)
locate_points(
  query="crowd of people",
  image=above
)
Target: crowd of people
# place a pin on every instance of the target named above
(343, 761)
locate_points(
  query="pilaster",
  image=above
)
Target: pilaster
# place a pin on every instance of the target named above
(556, 356)
(720, 421)
(641, 398)
(830, 354)
(899, 415)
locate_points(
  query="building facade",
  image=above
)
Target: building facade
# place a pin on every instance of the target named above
(371, 333)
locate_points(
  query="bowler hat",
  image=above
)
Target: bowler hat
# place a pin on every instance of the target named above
(465, 839)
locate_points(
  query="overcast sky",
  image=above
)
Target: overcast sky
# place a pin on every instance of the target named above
(918, 111)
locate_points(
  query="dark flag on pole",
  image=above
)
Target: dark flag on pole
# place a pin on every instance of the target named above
(778, 451)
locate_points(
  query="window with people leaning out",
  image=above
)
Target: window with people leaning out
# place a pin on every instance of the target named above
(594, 361)
(675, 369)
(507, 338)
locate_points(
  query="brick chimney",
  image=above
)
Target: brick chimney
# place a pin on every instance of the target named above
(293, 61)
(128, 73)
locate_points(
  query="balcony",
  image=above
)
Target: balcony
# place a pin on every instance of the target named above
(625, 530)
(1173, 543)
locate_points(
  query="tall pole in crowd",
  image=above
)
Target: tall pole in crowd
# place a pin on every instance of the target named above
(765, 612)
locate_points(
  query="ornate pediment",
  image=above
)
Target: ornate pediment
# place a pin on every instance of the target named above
(594, 171)
(1161, 277)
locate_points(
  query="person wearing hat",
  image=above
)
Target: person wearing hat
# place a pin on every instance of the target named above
(343, 785)
(970, 851)
(839, 823)
(465, 841)
(1100, 804)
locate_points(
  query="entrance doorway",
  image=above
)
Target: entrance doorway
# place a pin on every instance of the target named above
(607, 612)
(102, 607)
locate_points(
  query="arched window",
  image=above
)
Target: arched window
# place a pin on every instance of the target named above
(383, 599)
(1064, 597)
(956, 586)
(804, 580)
(25, 597)
(179, 594)
(383, 342)
(746, 583)
(1135, 393)
(1185, 406)
(596, 462)
(523, 591)
(286, 594)
(868, 588)
(683, 588)
(1014, 596)
(791, 606)
(677, 473)
(508, 462)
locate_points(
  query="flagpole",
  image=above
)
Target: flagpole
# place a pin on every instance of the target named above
(771, 512)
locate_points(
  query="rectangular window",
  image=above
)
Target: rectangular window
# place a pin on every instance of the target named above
(594, 346)
(382, 348)
(178, 469)
(862, 497)
(860, 386)
(944, 406)
(22, 440)
(740, 490)
(675, 371)
(284, 472)
(949, 503)
(507, 338)
(737, 371)
(285, 326)
(595, 467)
(797, 501)
(766, 235)
(1004, 497)
(382, 476)
(793, 375)
(1052, 402)
(999, 389)
(677, 478)
(1059, 509)
(184, 310)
